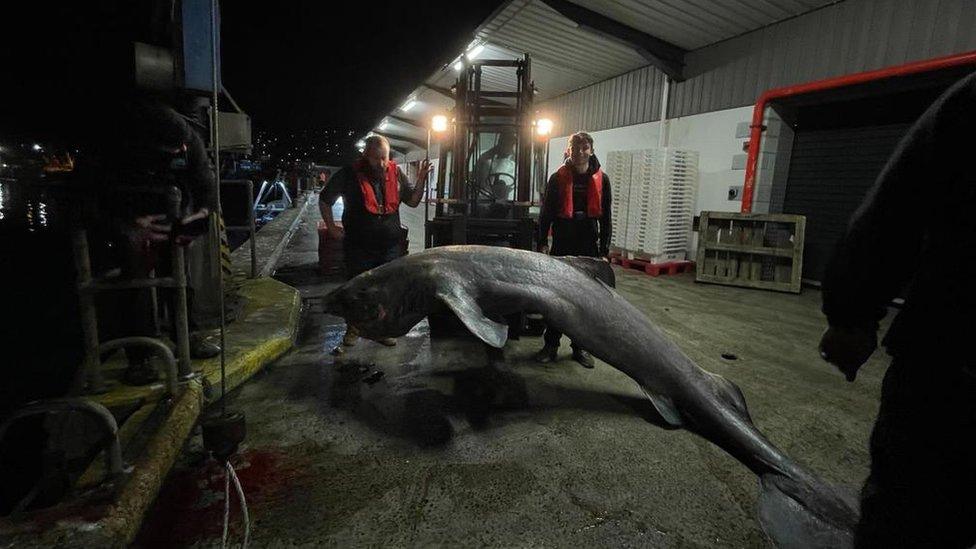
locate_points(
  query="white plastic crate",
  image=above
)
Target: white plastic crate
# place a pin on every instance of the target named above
(618, 167)
(653, 207)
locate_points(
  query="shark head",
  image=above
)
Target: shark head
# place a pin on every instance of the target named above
(383, 302)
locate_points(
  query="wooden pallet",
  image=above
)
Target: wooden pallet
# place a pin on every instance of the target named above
(763, 251)
(653, 269)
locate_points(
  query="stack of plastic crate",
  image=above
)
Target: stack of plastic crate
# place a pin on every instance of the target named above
(664, 226)
(619, 167)
(648, 169)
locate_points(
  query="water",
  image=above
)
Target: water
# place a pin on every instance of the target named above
(32, 206)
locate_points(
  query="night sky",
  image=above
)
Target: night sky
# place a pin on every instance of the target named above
(303, 64)
(290, 65)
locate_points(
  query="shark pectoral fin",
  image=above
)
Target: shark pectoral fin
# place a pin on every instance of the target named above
(467, 310)
(665, 407)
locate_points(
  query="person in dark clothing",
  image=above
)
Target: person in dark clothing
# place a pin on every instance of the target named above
(576, 206)
(372, 190)
(495, 177)
(916, 234)
(155, 147)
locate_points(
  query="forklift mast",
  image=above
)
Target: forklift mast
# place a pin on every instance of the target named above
(485, 193)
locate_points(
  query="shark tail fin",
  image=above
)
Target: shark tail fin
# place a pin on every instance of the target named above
(806, 514)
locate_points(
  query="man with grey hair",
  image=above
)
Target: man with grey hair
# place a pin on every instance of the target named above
(372, 189)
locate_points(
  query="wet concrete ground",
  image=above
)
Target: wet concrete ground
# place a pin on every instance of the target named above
(443, 451)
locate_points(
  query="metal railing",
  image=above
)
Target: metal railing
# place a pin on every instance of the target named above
(113, 448)
(89, 286)
(250, 227)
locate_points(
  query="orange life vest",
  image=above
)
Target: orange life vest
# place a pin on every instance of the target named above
(391, 188)
(594, 193)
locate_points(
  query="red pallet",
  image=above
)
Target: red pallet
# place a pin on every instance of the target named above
(653, 269)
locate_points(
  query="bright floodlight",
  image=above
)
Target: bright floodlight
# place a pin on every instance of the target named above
(543, 127)
(360, 144)
(408, 105)
(37, 147)
(439, 123)
(476, 51)
(458, 66)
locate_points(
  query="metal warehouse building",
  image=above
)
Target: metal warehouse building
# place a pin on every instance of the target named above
(805, 99)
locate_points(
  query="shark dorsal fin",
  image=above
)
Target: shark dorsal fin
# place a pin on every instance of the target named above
(469, 312)
(594, 267)
(665, 407)
(731, 393)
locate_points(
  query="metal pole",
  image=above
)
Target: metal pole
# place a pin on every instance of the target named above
(250, 221)
(427, 189)
(181, 316)
(154, 305)
(214, 6)
(89, 319)
(662, 140)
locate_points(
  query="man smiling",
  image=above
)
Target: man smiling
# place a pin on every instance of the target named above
(576, 205)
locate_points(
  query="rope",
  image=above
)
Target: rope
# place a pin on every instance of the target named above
(231, 475)
(223, 538)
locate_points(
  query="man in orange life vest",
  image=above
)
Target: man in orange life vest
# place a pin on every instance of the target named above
(372, 189)
(576, 204)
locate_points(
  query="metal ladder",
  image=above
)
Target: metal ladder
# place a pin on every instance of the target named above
(178, 368)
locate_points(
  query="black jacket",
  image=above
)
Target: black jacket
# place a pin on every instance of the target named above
(590, 237)
(917, 230)
(364, 230)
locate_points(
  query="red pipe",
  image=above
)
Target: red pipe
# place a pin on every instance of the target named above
(820, 85)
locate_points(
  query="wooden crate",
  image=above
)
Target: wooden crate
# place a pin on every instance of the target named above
(763, 251)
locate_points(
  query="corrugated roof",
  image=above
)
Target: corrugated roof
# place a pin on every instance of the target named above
(693, 24)
(566, 57)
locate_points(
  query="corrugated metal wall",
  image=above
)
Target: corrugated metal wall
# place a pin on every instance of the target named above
(628, 99)
(844, 38)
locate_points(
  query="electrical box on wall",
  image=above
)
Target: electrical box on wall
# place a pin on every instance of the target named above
(742, 130)
(235, 132)
(739, 161)
(197, 46)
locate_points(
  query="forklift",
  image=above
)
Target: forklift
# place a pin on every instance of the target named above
(490, 174)
(489, 170)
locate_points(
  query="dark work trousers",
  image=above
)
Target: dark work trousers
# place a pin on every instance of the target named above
(359, 260)
(586, 247)
(922, 488)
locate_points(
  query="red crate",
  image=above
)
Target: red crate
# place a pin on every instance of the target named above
(330, 252)
(653, 269)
